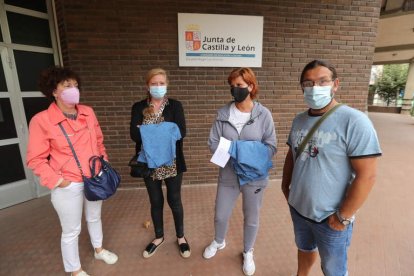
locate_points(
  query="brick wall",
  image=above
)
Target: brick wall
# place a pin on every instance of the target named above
(112, 44)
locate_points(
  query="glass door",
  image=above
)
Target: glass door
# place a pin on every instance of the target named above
(13, 181)
(27, 46)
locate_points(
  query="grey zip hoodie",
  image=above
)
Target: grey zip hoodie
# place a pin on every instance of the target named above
(259, 128)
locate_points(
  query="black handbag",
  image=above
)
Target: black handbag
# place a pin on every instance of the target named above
(139, 169)
(102, 184)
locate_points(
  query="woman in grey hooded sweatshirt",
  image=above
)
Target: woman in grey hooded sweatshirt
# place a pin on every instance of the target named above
(240, 120)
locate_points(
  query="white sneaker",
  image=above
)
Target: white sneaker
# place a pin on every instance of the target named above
(211, 250)
(248, 263)
(106, 256)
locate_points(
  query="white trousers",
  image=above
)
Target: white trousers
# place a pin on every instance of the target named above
(68, 203)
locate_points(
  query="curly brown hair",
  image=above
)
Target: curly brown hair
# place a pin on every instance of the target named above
(52, 76)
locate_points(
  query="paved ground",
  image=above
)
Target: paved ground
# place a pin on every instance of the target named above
(383, 242)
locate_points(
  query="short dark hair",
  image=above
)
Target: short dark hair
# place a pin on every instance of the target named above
(52, 76)
(315, 63)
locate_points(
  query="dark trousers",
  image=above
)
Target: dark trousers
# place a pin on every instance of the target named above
(154, 188)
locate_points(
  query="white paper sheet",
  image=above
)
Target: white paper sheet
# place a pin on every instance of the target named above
(221, 156)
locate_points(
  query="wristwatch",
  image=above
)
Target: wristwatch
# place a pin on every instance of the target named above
(345, 221)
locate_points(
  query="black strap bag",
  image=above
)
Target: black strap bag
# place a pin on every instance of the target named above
(103, 183)
(139, 169)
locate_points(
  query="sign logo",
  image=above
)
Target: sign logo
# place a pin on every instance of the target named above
(193, 40)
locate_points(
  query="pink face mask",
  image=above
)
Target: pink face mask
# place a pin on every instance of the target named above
(70, 95)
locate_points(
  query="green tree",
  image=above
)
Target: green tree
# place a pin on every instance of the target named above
(391, 81)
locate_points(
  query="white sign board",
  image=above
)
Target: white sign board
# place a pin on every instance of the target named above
(217, 40)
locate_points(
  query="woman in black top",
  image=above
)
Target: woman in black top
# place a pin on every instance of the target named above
(157, 108)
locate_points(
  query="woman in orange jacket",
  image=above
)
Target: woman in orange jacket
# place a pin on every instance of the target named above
(51, 158)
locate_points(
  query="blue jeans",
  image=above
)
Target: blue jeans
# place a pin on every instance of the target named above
(332, 245)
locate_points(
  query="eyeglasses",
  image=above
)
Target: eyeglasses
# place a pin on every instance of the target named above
(322, 82)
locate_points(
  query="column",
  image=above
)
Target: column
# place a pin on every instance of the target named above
(409, 90)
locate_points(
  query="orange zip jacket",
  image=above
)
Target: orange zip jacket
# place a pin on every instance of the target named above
(48, 152)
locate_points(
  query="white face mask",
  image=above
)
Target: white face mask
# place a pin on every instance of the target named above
(317, 97)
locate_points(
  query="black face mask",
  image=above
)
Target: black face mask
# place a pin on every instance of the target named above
(239, 93)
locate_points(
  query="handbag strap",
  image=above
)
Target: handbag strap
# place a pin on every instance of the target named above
(92, 164)
(71, 147)
(314, 128)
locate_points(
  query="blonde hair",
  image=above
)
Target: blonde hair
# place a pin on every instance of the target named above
(156, 71)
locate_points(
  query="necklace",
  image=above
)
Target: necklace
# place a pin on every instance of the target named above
(70, 116)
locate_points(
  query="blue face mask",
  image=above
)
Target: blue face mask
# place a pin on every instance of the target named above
(317, 97)
(158, 92)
